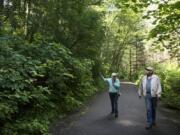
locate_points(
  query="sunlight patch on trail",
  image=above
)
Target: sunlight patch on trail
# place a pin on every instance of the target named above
(128, 123)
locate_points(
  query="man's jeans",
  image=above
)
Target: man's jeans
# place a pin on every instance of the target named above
(114, 103)
(151, 103)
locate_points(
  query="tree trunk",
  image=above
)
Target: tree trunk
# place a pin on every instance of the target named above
(1, 5)
(130, 64)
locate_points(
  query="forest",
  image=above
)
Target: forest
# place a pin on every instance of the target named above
(53, 51)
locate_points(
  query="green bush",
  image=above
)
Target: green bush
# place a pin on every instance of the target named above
(39, 81)
(170, 79)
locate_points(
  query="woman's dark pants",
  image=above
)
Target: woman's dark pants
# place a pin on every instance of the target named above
(114, 103)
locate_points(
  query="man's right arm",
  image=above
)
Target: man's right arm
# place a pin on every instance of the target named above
(159, 91)
(140, 89)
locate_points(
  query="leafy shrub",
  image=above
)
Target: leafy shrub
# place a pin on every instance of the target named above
(170, 79)
(38, 81)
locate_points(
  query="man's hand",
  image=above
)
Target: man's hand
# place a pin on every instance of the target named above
(158, 98)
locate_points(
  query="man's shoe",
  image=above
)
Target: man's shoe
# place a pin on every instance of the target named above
(116, 115)
(154, 125)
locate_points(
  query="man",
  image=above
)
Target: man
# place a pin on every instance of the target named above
(150, 88)
(114, 85)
